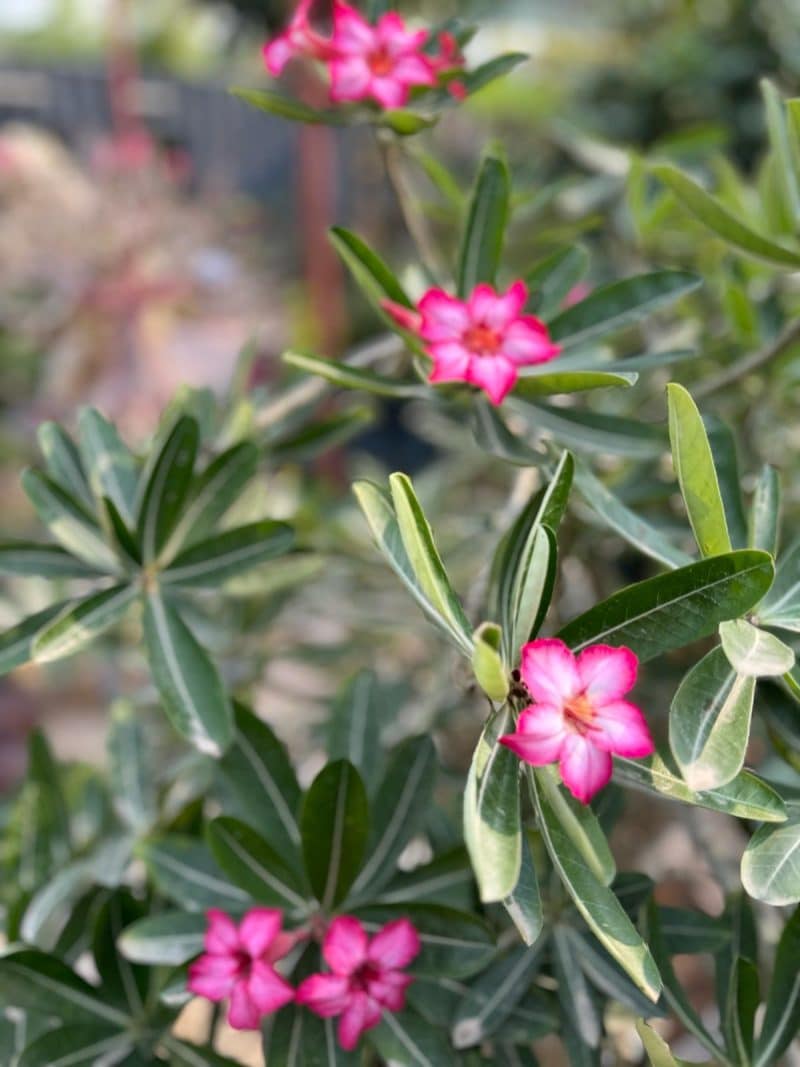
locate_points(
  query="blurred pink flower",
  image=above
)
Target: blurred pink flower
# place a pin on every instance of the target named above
(579, 717)
(298, 40)
(238, 965)
(366, 975)
(483, 340)
(576, 294)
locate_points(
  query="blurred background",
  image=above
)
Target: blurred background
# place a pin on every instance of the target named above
(152, 227)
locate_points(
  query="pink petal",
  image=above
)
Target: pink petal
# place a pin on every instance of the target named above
(362, 1013)
(584, 767)
(352, 34)
(607, 673)
(527, 341)
(390, 989)
(324, 994)
(494, 310)
(221, 935)
(549, 671)
(243, 1013)
(450, 362)
(212, 977)
(444, 318)
(414, 70)
(496, 375)
(620, 727)
(389, 91)
(277, 54)
(396, 945)
(258, 929)
(283, 943)
(268, 991)
(406, 318)
(350, 78)
(392, 33)
(539, 736)
(345, 945)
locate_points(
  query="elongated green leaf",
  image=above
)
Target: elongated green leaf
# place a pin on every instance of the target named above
(491, 70)
(591, 431)
(68, 522)
(573, 989)
(257, 770)
(184, 870)
(118, 534)
(82, 1045)
(374, 278)
(46, 561)
(406, 1039)
(111, 467)
(81, 623)
(354, 725)
(287, 108)
(781, 606)
(167, 487)
(493, 436)
(487, 662)
(31, 979)
(688, 932)
(552, 279)
(612, 307)
(212, 494)
(771, 864)
(725, 225)
(566, 381)
(492, 823)
(333, 825)
(168, 939)
(495, 994)
(672, 610)
(782, 1017)
(709, 722)
(253, 865)
(754, 652)
(722, 440)
(482, 242)
(694, 466)
(778, 128)
(596, 903)
(322, 435)
(63, 462)
(348, 377)
(447, 879)
(619, 517)
(765, 512)
(16, 644)
(130, 758)
(398, 811)
(605, 974)
(123, 982)
(210, 563)
(524, 903)
(580, 824)
(745, 796)
(655, 1046)
(185, 1054)
(187, 680)
(296, 1038)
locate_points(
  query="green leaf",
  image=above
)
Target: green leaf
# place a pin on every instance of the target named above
(374, 278)
(131, 769)
(81, 623)
(482, 241)
(210, 563)
(781, 605)
(655, 1046)
(68, 522)
(573, 989)
(487, 662)
(27, 559)
(552, 278)
(82, 1045)
(620, 518)
(754, 652)
(348, 377)
(595, 902)
(771, 864)
(782, 1017)
(405, 122)
(726, 461)
(122, 982)
(524, 904)
(167, 487)
(493, 436)
(253, 865)
(725, 225)
(168, 939)
(334, 827)
(494, 995)
(354, 724)
(257, 770)
(406, 1039)
(119, 536)
(709, 722)
(580, 824)
(112, 469)
(184, 870)
(688, 932)
(594, 432)
(447, 879)
(746, 796)
(31, 979)
(765, 512)
(398, 811)
(781, 147)
(486, 73)
(63, 462)
(606, 975)
(620, 304)
(187, 680)
(16, 644)
(492, 822)
(577, 381)
(296, 1038)
(287, 108)
(319, 437)
(740, 1010)
(186, 1054)
(672, 610)
(694, 466)
(383, 522)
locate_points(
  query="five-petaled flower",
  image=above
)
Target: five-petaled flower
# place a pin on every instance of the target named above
(483, 340)
(366, 975)
(299, 39)
(579, 717)
(238, 965)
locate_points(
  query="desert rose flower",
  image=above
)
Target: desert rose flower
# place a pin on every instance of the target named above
(483, 340)
(366, 975)
(298, 40)
(578, 716)
(238, 965)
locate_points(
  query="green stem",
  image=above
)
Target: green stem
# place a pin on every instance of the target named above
(416, 223)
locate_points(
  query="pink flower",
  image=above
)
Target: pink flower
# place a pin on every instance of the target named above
(238, 965)
(380, 62)
(299, 39)
(579, 717)
(483, 340)
(366, 976)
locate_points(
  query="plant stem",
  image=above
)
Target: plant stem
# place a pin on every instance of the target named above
(416, 223)
(785, 339)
